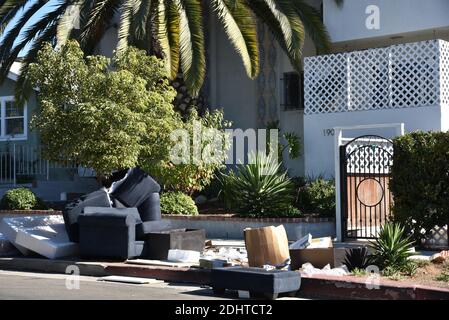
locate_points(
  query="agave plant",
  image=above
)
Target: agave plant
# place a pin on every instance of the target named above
(259, 187)
(172, 29)
(392, 248)
(356, 258)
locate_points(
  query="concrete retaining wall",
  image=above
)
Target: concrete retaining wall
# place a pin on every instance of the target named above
(232, 228)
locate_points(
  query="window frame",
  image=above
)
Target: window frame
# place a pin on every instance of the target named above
(3, 135)
(300, 105)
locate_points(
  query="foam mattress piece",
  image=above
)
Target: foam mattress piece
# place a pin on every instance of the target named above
(6, 247)
(45, 235)
(9, 232)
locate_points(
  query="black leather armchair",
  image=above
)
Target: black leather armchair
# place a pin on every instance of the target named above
(109, 233)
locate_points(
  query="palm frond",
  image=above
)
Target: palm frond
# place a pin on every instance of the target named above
(41, 31)
(163, 37)
(8, 12)
(11, 36)
(8, 6)
(127, 11)
(100, 14)
(241, 29)
(311, 19)
(66, 23)
(192, 51)
(139, 21)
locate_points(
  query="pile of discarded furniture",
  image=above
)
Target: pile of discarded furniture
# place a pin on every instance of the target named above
(119, 222)
(124, 222)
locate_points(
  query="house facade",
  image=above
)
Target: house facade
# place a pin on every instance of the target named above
(388, 66)
(21, 161)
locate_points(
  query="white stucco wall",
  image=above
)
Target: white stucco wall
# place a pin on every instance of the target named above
(230, 87)
(319, 148)
(445, 118)
(347, 22)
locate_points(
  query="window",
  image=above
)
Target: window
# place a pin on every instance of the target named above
(13, 122)
(293, 96)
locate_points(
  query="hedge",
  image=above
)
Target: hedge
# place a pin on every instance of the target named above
(420, 181)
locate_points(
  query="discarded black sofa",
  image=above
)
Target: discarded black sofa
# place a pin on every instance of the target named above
(113, 223)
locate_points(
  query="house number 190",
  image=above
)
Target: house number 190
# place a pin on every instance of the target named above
(328, 132)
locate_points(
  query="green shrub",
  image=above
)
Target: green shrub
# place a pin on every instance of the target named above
(392, 250)
(178, 203)
(259, 188)
(420, 181)
(316, 196)
(21, 199)
(193, 175)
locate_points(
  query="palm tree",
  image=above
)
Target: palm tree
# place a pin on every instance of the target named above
(172, 29)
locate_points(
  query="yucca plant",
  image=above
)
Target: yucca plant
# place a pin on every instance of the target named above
(172, 29)
(392, 248)
(259, 188)
(356, 259)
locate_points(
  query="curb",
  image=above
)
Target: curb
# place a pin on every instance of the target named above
(348, 287)
(94, 269)
(184, 275)
(323, 287)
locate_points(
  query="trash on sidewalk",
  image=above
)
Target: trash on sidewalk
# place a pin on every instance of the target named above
(131, 280)
(44, 235)
(257, 281)
(319, 252)
(266, 246)
(160, 263)
(210, 263)
(181, 239)
(440, 257)
(309, 269)
(6, 247)
(187, 256)
(302, 243)
(232, 256)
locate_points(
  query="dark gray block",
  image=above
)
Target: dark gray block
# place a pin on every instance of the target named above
(109, 235)
(255, 280)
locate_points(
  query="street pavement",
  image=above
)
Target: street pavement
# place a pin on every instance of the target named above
(32, 286)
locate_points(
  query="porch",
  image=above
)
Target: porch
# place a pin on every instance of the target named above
(23, 165)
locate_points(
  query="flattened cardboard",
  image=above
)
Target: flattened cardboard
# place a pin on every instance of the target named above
(268, 245)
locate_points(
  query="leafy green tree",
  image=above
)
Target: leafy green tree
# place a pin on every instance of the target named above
(172, 29)
(198, 170)
(100, 113)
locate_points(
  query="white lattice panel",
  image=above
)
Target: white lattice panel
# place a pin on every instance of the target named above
(444, 72)
(437, 238)
(400, 76)
(325, 82)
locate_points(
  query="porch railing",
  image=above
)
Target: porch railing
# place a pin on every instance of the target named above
(21, 162)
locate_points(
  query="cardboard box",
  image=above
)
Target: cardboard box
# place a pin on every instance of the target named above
(268, 245)
(319, 258)
(319, 253)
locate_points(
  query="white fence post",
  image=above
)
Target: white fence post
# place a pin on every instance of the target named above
(14, 165)
(338, 137)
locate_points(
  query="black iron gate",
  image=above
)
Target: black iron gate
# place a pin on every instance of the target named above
(365, 164)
